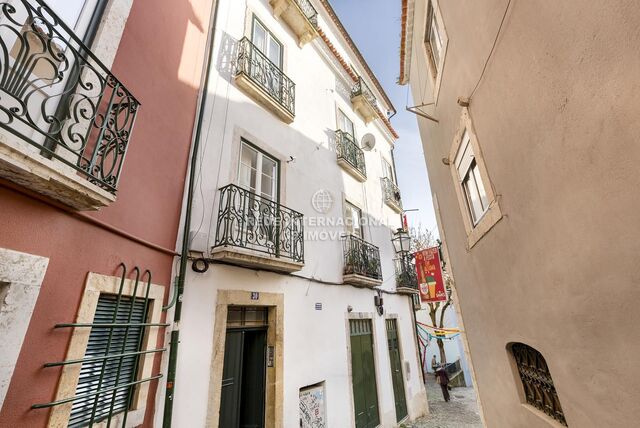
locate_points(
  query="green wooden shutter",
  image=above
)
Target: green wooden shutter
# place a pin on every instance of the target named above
(396, 369)
(113, 371)
(365, 395)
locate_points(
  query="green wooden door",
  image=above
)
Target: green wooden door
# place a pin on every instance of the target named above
(365, 395)
(396, 370)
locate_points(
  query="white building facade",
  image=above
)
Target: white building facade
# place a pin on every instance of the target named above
(294, 318)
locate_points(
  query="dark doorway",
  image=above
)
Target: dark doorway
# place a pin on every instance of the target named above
(243, 375)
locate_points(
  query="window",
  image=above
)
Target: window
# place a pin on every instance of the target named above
(539, 390)
(433, 39)
(258, 172)
(266, 43)
(469, 175)
(353, 219)
(345, 124)
(76, 14)
(387, 170)
(106, 374)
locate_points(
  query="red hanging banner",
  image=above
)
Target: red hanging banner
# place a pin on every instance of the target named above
(429, 271)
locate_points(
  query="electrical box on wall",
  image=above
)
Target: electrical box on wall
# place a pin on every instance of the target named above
(198, 242)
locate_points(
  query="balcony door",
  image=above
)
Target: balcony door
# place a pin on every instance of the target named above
(268, 73)
(259, 174)
(353, 220)
(346, 125)
(77, 14)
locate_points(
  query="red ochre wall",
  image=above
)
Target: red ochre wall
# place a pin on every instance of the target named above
(159, 60)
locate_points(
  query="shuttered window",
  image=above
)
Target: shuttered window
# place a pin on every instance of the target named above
(105, 374)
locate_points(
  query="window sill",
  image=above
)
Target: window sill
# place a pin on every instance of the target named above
(21, 163)
(486, 223)
(541, 415)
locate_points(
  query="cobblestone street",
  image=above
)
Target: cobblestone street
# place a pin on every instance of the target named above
(460, 412)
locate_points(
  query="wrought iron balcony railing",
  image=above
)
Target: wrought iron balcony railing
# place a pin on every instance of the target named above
(361, 88)
(58, 97)
(247, 220)
(391, 192)
(361, 258)
(348, 150)
(406, 276)
(309, 11)
(265, 74)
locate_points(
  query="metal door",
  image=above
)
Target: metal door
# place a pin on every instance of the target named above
(365, 395)
(396, 369)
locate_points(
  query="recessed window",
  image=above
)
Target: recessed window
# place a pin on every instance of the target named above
(100, 374)
(539, 389)
(353, 219)
(470, 179)
(346, 125)
(433, 39)
(258, 172)
(266, 42)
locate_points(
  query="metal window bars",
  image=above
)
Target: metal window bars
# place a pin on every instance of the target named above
(361, 258)
(348, 150)
(265, 74)
(539, 389)
(308, 11)
(109, 371)
(247, 220)
(56, 95)
(361, 88)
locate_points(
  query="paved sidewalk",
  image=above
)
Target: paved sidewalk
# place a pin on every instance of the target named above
(460, 412)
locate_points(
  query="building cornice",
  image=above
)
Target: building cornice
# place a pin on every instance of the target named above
(406, 40)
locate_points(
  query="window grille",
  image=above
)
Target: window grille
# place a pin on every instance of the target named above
(537, 382)
(109, 368)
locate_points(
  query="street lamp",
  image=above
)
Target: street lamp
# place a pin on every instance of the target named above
(401, 242)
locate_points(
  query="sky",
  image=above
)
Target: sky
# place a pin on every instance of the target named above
(374, 25)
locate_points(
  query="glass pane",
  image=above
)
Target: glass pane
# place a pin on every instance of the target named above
(481, 190)
(352, 220)
(473, 198)
(269, 178)
(435, 41)
(255, 316)
(67, 10)
(259, 36)
(248, 167)
(274, 52)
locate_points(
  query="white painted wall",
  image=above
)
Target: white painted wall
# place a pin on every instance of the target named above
(315, 342)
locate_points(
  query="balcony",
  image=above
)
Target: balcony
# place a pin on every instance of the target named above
(264, 81)
(363, 101)
(350, 156)
(65, 119)
(300, 15)
(256, 232)
(361, 263)
(406, 276)
(391, 195)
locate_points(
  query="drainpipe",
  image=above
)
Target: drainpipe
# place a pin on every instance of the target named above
(175, 333)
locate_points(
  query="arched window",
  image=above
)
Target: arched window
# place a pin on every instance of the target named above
(537, 382)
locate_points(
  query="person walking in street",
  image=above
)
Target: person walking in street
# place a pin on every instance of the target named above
(443, 379)
(434, 364)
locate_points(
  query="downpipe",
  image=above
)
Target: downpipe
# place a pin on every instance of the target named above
(175, 333)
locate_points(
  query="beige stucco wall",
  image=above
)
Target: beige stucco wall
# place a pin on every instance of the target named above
(556, 116)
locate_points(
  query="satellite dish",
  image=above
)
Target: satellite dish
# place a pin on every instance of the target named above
(368, 141)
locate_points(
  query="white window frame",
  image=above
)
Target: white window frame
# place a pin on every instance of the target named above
(387, 169)
(260, 155)
(470, 179)
(351, 230)
(466, 157)
(341, 116)
(433, 19)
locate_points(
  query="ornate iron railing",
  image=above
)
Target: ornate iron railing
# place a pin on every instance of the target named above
(247, 220)
(391, 192)
(58, 97)
(361, 88)
(536, 379)
(361, 258)
(309, 11)
(267, 75)
(347, 149)
(406, 276)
